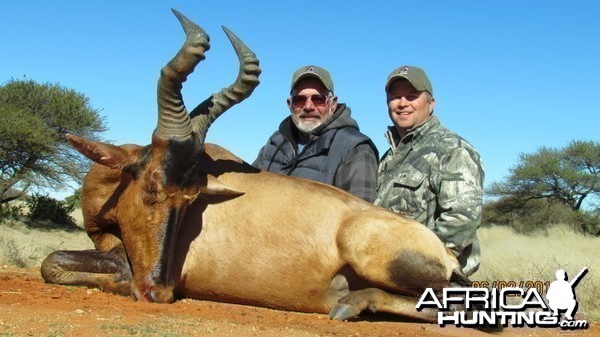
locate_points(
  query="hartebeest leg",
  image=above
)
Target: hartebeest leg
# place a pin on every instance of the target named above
(346, 303)
(401, 258)
(108, 271)
(378, 300)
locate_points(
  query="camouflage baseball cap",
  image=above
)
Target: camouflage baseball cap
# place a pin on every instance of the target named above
(416, 76)
(312, 71)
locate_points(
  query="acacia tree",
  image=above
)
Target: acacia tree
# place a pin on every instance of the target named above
(33, 150)
(568, 175)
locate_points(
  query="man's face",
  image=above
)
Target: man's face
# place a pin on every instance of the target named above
(408, 107)
(310, 105)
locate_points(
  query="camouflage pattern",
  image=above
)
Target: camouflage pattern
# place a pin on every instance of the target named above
(435, 177)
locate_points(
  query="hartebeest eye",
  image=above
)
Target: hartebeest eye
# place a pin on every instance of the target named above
(152, 190)
(150, 195)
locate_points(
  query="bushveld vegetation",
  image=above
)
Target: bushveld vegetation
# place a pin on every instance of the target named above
(32, 229)
(33, 149)
(549, 186)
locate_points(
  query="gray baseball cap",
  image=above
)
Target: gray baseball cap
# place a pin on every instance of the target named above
(415, 75)
(312, 71)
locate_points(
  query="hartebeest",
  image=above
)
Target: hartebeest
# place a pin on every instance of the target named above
(181, 217)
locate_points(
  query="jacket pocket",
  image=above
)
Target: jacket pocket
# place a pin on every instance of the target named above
(410, 178)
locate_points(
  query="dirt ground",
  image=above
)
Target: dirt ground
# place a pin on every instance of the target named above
(30, 307)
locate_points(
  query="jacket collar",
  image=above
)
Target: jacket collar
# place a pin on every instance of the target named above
(413, 134)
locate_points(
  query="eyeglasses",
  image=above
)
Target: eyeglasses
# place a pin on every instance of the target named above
(300, 101)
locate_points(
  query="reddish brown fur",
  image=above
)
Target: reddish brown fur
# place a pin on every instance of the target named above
(279, 244)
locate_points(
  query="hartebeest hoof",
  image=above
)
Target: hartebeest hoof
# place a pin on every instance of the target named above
(342, 312)
(354, 303)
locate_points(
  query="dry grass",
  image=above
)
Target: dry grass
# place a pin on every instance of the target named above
(508, 256)
(26, 248)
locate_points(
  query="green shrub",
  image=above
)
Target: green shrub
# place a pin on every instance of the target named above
(537, 215)
(590, 223)
(50, 213)
(75, 198)
(11, 211)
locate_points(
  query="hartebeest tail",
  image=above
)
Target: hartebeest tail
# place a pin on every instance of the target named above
(183, 217)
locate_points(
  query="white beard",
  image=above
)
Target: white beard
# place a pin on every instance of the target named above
(307, 126)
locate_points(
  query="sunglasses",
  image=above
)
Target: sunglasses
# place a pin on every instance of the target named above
(317, 100)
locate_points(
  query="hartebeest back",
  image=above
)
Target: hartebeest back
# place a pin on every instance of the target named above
(183, 217)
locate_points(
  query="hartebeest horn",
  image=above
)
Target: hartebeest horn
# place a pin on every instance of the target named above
(206, 112)
(173, 118)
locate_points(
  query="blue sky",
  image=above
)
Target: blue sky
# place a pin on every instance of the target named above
(509, 76)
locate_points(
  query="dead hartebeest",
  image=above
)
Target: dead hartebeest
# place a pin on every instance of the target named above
(181, 217)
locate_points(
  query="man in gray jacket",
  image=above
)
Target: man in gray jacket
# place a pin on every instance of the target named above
(429, 173)
(320, 140)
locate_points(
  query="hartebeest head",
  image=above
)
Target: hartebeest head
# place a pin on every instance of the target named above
(156, 183)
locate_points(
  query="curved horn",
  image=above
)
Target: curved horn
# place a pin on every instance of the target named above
(247, 80)
(173, 118)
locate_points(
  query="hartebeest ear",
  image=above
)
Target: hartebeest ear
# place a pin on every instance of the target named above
(102, 153)
(215, 187)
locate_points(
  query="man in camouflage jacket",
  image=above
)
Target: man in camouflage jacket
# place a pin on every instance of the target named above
(430, 174)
